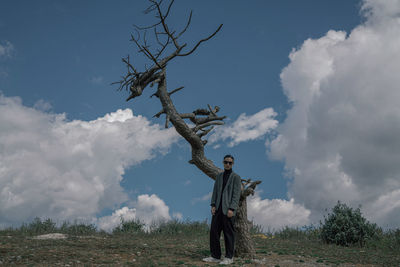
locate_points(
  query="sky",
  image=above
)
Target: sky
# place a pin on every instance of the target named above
(309, 88)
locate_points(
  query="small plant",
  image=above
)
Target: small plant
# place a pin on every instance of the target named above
(129, 227)
(346, 226)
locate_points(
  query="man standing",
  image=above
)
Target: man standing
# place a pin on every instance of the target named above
(224, 204)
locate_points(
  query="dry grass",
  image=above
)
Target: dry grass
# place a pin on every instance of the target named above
(179, 244)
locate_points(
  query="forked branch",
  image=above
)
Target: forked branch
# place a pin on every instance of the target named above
(166, 38)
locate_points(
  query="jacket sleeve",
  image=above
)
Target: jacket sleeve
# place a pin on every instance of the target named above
(214, 194)
(237, 189)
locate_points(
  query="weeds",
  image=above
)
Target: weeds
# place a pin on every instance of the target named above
(179, 227)
(305, 233)
(38, 227)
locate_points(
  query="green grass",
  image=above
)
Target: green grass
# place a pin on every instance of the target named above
(177, 243)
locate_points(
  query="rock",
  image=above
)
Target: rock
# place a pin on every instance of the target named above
(51, 236)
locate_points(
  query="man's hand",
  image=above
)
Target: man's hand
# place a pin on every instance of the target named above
(213, 210)
(230, 214)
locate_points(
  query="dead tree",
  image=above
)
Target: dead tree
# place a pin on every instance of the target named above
(168, 46)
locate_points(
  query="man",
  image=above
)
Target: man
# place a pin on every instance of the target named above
(224, 205)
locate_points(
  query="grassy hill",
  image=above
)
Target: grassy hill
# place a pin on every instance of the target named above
(181, 244)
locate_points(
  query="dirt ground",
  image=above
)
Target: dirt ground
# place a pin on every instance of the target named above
(61, 250)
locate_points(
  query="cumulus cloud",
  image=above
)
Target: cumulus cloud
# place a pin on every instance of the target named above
(147, 209)
(275, 214)
(6, 49)
(246, 128)
(65, 170)
(340, 140)
(108, 223)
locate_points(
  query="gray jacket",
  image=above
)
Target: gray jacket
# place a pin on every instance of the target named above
(231, 194)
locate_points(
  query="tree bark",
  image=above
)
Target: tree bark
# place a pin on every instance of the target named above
(243, 242)
(244, 246)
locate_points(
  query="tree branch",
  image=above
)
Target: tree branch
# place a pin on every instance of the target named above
(176, 90)
(205, 132)
(204, 125)
(249, 190)
(165, 26)
(166, 120)
(159, 114)
(208, 119)
(187, 25)
(203, 40)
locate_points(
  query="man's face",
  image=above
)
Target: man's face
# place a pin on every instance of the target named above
(228, 163)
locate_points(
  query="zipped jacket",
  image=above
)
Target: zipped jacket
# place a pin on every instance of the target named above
(230, 195)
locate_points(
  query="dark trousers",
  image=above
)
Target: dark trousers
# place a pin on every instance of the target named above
(221, 222)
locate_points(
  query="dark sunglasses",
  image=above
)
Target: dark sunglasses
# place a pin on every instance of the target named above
(228, 162)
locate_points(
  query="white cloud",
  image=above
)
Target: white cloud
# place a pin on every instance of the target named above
(151, 208)
(108, 223)
(340, 140)
(275, 214)
(246, 128)
(206, 197)
(65, 170)
(96, 80)
(147, 209)
(6, 49)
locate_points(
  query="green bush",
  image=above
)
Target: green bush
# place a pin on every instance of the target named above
(346, 226)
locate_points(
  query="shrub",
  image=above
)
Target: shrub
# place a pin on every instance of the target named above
(346, 226)
(129, 227)
(389, 239)
(78, 228)
(37, 226)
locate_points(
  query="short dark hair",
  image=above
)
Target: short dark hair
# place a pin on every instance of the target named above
(229, 156)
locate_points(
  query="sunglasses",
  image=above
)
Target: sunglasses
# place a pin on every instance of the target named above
(228, 162)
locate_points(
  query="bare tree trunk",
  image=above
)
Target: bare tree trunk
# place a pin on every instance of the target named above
(244, 246)
(203, 119)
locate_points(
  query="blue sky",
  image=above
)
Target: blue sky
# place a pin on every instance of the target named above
(60, 57)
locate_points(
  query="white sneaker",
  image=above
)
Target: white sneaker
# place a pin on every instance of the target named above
(226, 261)
(211, 259)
